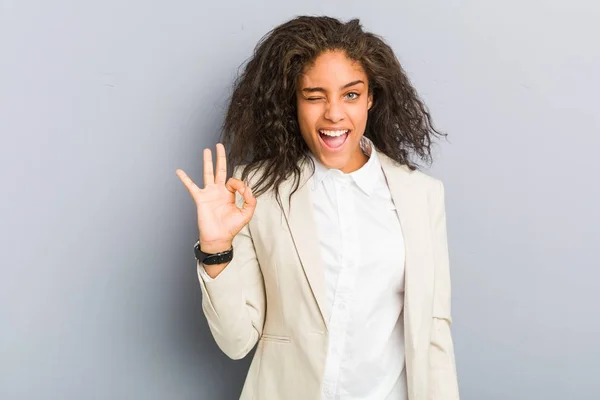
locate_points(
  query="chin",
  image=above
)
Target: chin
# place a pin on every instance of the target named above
(334, 161)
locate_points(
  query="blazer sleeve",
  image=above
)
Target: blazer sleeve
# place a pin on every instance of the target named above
(442, 366)
(234, 301)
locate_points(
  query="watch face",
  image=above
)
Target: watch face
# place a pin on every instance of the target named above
(197, 252)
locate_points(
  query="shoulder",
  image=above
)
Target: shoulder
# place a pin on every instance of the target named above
(422, 179)
(432, 188)
(414, 180)
(426, 191)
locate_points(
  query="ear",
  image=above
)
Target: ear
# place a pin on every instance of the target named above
(370, 101)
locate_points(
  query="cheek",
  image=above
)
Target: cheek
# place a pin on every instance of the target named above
(303, 123)
(307, 117)
(359, 117)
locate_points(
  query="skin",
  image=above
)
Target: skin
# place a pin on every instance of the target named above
(333, 94)
(219, 218)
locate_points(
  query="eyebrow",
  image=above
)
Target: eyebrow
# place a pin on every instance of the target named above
(320, 89)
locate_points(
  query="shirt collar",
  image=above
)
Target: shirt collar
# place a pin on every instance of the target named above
(365, 177)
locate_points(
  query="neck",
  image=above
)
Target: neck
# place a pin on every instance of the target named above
(356, 162)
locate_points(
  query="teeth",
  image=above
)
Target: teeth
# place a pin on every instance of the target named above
(334, 133)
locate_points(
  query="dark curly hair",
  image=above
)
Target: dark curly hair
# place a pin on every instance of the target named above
(261, 128)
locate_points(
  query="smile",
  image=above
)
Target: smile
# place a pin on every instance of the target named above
(333, 140)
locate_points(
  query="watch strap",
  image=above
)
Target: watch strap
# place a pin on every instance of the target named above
(212, 258)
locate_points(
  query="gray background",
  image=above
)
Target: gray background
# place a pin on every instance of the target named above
(100, 102)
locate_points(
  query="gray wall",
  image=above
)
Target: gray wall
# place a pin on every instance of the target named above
(101, 102)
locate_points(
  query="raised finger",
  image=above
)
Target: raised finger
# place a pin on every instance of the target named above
(209, 175)
(221, 175)
(187, 181)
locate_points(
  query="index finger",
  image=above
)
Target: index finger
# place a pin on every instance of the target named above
(221, 175)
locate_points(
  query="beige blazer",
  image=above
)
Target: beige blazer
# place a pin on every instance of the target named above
(273, 293)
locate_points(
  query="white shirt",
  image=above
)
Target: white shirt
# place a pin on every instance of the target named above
(362, 250)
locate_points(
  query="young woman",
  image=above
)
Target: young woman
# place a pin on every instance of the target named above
(327, 249)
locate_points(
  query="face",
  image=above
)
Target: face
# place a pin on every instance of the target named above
(333, 102)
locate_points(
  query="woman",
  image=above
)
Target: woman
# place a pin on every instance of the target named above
(333, 260)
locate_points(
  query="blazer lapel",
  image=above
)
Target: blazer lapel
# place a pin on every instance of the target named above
(411, 206)
(301, 223)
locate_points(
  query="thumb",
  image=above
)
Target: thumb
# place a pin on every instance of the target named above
(249, 205)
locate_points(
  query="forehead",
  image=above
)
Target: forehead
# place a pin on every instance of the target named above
(332, 69)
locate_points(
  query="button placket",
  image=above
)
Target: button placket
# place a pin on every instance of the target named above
(340, 316)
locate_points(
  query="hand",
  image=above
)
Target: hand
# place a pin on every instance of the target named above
(219, 218)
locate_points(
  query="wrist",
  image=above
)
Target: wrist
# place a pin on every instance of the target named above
(216, 247)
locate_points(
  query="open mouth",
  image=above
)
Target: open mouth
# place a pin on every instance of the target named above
(334, 140)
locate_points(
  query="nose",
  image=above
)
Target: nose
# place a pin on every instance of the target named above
(334, 111)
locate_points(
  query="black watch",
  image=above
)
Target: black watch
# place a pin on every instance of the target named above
(212, 259)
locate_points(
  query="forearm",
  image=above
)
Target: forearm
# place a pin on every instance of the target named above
(214, 270)
(442, 367)
(233, 298)
(234, 311)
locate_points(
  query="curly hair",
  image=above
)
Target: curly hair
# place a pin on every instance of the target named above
(261, 128)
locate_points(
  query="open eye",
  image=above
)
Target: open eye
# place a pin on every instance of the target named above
(352, 96)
